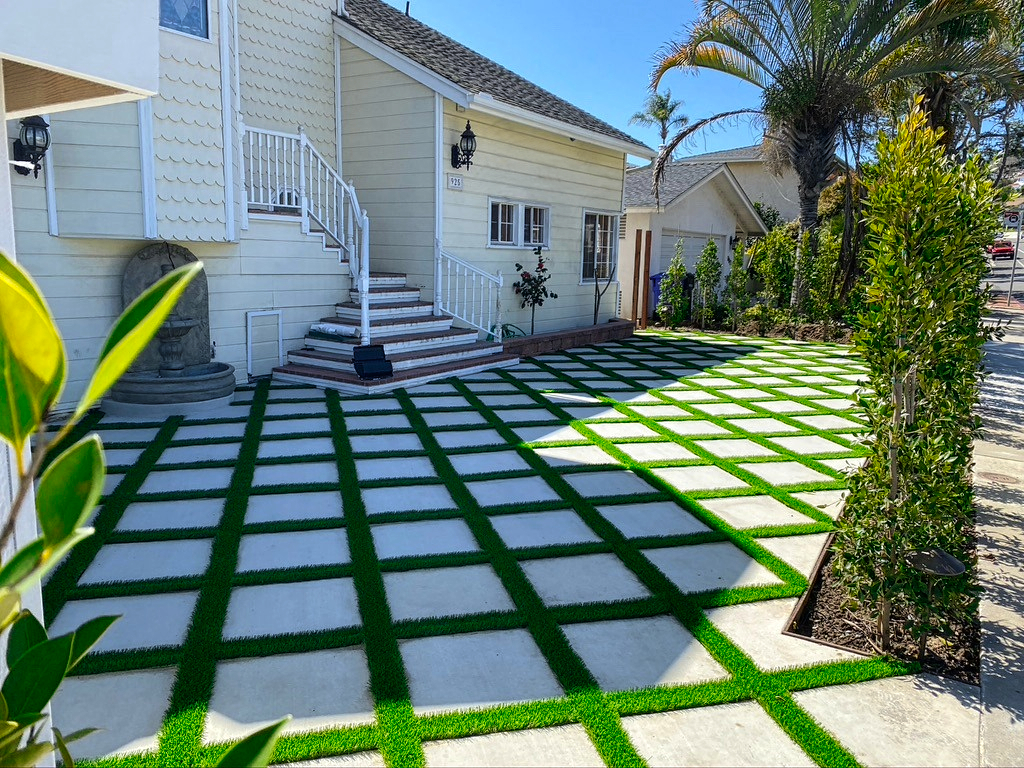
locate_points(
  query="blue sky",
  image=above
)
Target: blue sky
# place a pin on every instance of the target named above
(596, 54)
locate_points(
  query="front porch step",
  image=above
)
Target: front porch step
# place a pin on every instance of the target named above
(386, 280)
(348, 383)
(340, 345)
(350, 311)
(387, 295)
(382, 329)
(424, 358)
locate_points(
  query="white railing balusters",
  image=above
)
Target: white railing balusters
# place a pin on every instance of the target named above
(459, 292)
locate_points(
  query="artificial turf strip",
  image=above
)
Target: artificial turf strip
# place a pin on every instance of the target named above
(65, 577)
(181, 736)
(398, 741)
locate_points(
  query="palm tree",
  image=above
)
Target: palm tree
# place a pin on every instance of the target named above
(660, 110)
(818, 64)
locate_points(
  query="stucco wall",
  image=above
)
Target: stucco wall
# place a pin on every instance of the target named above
(763, 186)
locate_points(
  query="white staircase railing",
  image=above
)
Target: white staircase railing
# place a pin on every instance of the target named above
(467, 293)
(285, 174)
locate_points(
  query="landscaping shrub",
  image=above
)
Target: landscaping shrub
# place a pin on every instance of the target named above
(772, 259)
(531, 287)
(921, 332)
(736, 294)
(674, 303)
(709, 274)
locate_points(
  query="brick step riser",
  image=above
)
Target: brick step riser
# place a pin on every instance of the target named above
(386, 282)
(381, 312)
(425, 361)
(395, 347)
(397, 296)
(370, 388)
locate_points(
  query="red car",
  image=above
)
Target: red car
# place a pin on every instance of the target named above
(1000, 249)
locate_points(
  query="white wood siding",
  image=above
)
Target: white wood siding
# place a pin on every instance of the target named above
(529, 165)
(286, 62)
(388, 124)
(97, 172)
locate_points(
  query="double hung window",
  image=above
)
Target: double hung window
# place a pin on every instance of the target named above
(519, 225)
(600, 244)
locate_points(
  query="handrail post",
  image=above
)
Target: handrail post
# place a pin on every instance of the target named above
(246, 175)
(364, 281)
(437, 277)
(303, 201)
(498, 335)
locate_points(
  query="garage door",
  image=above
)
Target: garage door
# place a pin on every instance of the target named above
(693, 244)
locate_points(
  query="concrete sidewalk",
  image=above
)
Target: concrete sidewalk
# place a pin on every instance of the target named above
(999, 485)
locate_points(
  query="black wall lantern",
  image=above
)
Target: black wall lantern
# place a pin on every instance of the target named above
(31, 145)
(462, 153)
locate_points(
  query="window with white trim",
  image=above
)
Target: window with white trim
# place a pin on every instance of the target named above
(191, 17)
(519, 225)
(600, 244)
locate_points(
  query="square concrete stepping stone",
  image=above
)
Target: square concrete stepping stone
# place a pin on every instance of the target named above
(835, 404)
(284, 609)
(487, 463)
(563, 745)
(651, 452)
(660, 411)
(385, 469)
(180, 480)
(715, 382)
(542, 529)
(706, 567)
(845, 389)
(705, 477)
(125, 457)
(659, 518)
(834, 423)
(514, 490)
(297, 549)
(844, 466)
(800, 391)
(601, 484)
(474, 438)
(690, 395)
(734, 448)
(694, 427)
(754, 512)
(192, 454)
(640, 653)
(571, 398)
(762, 426)
(800, 552)
(635, 398)
(551, 434)
(406, 498)
(319, 689)
(289, 427)
(128, 707)
(378, 423)
(161, 515)
(302, 473)
(574, 455)
(583, 579)
(442, 592)
(750, 394)
(295, 409)
(596, 414)
(500, 401)
(721, 409)
(147, 621)
(627, 430)
(114, 435)
(809, 445)
(477, 669)
(829, 502)
(272, 508)
(901, 721)
(148, 560)
(307, 446)
(367, 759)
(525, 415)
(814, 379)
(453, 418)
(206, 431)
(386, 443)
(426, 537)
(786, 473)
(452, 401)
(757, 629)
(784, 406)
(369, 406)
(767, 381)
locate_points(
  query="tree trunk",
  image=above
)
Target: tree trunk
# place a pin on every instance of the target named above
(937, 102)
(813, 155)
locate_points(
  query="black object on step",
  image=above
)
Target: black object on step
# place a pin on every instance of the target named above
(370, 363)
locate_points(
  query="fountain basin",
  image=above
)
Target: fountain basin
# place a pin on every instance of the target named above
(198, 388)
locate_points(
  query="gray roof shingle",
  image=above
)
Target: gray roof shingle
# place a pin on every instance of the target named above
(735, 155)
(468, 69)
(679, 178)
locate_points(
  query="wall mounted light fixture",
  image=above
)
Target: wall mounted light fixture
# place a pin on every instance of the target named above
(31, 145)
(462, 153)
(734, 241)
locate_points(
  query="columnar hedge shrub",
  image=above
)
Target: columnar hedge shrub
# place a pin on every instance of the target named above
(736, 293)
(921, 332)
(674, 302)
(709, 274)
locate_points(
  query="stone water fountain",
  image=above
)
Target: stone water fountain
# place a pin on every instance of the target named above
(176, 373)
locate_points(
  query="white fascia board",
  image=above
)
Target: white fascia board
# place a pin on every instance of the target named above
(484, 102)
(403, 64)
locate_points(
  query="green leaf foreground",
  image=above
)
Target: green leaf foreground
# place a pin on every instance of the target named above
(69, 489)
(255, 750)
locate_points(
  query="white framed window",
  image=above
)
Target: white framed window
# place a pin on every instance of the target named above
(600, 245)
(189, 17)
(519, 225)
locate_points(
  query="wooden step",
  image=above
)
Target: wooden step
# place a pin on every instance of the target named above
(349, 383)
(381, 329)
(390, 311)
(401, 362)
(326, 342)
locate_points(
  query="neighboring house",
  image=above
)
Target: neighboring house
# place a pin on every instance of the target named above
(264, 108)
(45, 68)
(696, 202)
(760, 183)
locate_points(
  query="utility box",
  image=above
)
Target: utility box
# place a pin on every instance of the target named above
(370, 363)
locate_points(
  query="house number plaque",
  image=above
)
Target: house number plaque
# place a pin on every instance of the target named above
(454, 182)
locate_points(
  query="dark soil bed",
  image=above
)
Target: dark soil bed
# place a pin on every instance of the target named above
(826, 618)
(805, 332)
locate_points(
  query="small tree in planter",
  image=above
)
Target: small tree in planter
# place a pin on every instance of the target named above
(709, 275)
(921, 333)
(531, 287)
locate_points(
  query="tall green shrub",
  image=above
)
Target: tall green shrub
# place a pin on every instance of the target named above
(674, 302)
(772, 258)
(709, 274)
(736, 293)
(921, 332)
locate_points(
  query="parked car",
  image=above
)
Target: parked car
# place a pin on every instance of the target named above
(1000, 249)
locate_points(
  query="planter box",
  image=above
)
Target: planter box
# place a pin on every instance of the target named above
(556, 341)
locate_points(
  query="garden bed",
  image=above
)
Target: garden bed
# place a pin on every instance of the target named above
(803, 332)
(556, 341)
